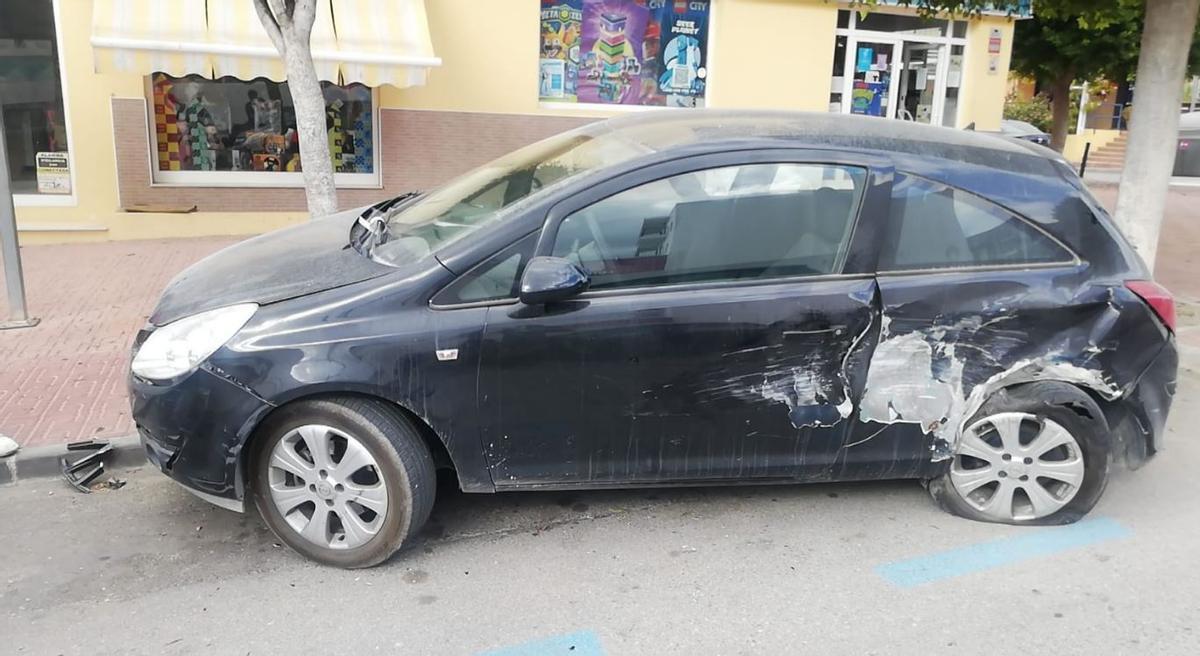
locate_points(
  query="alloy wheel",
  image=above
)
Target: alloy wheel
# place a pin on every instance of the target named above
(1017, 466)
(327, 486)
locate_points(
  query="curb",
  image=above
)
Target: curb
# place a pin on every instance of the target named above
(43, 461)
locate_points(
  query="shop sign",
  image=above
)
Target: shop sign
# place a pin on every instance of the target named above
(53, 173)
(994, 41)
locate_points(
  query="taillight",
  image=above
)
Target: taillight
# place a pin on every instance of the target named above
(1157, 297)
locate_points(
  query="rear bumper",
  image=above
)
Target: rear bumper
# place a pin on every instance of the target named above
(194, 429)
(1142, 425)
(1155, 392)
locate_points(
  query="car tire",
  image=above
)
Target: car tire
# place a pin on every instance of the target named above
(1043, 413)
(325, 509)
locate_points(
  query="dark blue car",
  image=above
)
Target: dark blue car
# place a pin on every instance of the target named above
(677, 298)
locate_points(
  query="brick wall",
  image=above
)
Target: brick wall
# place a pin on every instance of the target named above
(419, 149)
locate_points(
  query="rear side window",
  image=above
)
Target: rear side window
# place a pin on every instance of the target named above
(932, 226)
(732, 223)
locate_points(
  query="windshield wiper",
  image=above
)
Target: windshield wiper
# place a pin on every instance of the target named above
(372, 225)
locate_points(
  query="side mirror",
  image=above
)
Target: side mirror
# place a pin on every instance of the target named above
(551, 279)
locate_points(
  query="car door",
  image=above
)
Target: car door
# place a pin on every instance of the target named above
(725, 335)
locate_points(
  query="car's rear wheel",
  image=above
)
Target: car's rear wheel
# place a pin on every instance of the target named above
(344, 482)
(1034, 454)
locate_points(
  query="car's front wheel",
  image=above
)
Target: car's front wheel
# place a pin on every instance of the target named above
(1033, 454)
(342, 481)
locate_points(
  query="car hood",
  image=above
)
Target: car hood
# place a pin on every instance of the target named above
(295, 261)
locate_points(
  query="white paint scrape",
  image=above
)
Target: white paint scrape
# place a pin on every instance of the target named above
(903, 386)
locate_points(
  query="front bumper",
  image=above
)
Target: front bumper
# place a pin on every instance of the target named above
(194, 430)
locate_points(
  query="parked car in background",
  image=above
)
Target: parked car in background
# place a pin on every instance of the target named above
(1024, 130)
(691, 298)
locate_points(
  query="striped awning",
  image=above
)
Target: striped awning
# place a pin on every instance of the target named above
(375, 42)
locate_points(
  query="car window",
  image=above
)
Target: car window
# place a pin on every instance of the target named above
(495, 278)
(730, 223)
(932, 225)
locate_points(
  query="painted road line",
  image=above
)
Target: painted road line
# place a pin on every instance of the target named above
(997, 553)
(583, 643)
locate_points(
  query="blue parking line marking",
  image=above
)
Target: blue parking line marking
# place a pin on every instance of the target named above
(582, 643)
(997, 553)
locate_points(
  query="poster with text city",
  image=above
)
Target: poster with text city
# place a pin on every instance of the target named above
(624, 52)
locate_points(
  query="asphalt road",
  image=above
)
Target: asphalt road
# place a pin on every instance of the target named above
(829, 569)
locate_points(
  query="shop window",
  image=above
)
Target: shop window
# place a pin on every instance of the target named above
(877, 21)
(625, 52)
(837, 82)
(206, 130)
(31, 98)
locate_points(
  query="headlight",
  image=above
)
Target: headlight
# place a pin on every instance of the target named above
(180, 346)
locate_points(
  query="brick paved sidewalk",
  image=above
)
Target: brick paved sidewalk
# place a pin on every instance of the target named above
(65, 379)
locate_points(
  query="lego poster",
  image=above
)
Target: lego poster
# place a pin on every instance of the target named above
(562, 21)
(631, 52)
(611, 62)
(684, 57)
(867, 98)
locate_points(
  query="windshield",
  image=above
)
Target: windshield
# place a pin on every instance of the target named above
(491, 192)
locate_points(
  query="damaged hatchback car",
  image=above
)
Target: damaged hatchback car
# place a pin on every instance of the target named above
(692, 298)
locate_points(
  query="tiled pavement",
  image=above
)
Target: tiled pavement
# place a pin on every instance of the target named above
(65, 379)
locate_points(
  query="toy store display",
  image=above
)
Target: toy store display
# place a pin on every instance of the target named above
(628, 52)
(231, 125)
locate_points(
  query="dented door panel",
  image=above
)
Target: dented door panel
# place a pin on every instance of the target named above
(724, 383)
(948, 340)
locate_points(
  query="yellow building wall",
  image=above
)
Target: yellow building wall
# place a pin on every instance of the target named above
(764, 54)
(772, 54)
(984, 90)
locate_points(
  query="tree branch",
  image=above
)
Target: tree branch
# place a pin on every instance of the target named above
(282, 16)
(270, 25)
(304, 14)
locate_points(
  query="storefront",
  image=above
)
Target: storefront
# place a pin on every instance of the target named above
(898, 66)
(139, 118)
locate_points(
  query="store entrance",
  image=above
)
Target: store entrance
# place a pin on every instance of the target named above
(898, 65)
(919, 84)
(897, 79)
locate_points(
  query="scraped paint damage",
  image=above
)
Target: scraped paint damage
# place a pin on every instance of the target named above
(930, 377)
(814, 400)
(924, 377)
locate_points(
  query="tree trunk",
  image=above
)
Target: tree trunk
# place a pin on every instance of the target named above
(319, 188)
(1154, 126)
(289, 25)
(1060, 110)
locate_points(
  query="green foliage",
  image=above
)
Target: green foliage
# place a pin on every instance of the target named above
(1035, 110)
(1047, 48)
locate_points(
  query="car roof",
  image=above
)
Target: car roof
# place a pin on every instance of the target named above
(686, 129)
